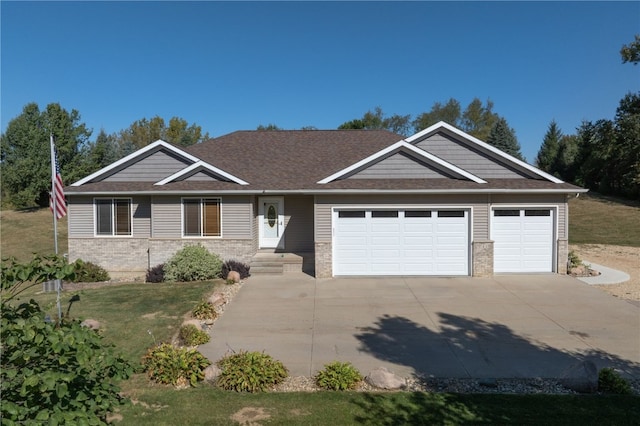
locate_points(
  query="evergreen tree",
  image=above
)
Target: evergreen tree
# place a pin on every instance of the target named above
(547, 157)
(504, 138)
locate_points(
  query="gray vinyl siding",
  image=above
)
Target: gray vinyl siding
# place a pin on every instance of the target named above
(201, 177)
(324, 204)
(237, 217)
(80, 216)
(167, 220)
(152, 168)
(463, 156)
(398, 166)
(298, 234)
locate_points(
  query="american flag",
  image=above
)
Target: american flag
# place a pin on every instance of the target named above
(57, 192)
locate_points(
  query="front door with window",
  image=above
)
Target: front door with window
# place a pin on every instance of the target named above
(271, 217)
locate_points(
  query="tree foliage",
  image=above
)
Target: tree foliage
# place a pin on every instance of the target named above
(52, 372)
(631, 52)
(145, 131)
(376, 119)
(26, 158)
(504, 138)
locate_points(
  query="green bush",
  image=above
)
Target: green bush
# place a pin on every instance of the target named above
(204, 310)
(574, 260)
(193, 263)
(55, 373)
(192, 336)
(250, 372)
(168, 364)
(338, 376)
(610, 381)
(87, 272)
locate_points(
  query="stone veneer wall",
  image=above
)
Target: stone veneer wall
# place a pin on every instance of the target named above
(482, 258)
(563, 256)
(324, 265)
(131, 257)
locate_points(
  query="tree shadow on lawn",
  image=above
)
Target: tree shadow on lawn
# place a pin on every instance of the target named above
(474, 348)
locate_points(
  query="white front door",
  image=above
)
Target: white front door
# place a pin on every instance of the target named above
(271, 219)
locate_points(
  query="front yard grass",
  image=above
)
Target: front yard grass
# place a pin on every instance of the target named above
(595, 219)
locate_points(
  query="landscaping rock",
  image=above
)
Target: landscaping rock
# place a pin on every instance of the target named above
(91, 323)
(211, 373)
(382, 378)
(217, 299)
(581, 377)
(233, 275)
(195, 322)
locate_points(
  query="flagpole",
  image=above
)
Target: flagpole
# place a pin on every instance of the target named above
(53, 195)
(54, 202)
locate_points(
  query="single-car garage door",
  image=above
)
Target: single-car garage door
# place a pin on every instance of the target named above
(522, 239)
(401, 242)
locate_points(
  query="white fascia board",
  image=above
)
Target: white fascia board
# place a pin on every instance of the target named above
(201, 165)
(491, 148)
(141, 151)
(400, 145)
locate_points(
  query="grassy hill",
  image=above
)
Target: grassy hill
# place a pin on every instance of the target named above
(593, 219)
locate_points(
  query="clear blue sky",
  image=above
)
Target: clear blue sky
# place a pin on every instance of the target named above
(234, 65)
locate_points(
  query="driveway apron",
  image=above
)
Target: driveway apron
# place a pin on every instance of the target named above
(509, 326)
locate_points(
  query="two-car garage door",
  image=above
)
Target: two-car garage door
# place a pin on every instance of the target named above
(401, 242)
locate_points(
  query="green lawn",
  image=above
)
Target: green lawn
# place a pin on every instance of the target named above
(594, 219)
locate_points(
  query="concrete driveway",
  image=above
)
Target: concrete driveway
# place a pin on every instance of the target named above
(510, 326)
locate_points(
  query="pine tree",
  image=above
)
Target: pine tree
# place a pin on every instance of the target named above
(504, 138)
(547, 157)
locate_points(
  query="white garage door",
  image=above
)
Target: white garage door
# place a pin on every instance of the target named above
(401, 242)
(523, 240)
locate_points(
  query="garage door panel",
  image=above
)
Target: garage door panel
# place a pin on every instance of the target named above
(524, 242)
(390, 243)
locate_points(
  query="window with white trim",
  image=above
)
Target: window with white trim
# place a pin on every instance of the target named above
(113, 216)
(201, 217)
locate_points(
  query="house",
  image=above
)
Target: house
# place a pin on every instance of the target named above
(341, 202)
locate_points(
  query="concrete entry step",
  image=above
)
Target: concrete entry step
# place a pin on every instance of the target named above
(270, 262)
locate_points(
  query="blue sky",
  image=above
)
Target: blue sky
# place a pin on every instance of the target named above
(234, 65)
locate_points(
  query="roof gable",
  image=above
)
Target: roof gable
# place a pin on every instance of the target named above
(483, 157)
(402, 146)
(200, 171)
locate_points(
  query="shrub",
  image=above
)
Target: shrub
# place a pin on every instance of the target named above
(338, 376)
(168, 364)
(235, 265)
(610, 381)
(192, 336)
(574, 260)
(87, 272)
(193, 263)
(55, 373)
(250, 372)
(155, 274)
(204, 310)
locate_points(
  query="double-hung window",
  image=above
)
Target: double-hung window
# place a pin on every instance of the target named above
(113, 216)
(201, 217)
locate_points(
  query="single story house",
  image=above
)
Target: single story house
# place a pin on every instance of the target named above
(342, 202)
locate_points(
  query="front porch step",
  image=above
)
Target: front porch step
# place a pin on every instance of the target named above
(272, 263)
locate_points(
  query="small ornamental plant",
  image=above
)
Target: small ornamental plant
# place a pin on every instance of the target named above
(204, 311)
(172, 365)
(193, 336)
(250, 372)
(338, 376)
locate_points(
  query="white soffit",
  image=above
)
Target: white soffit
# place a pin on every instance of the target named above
(406, 147)
(152, 146)
(202, 166)
(442, 125)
